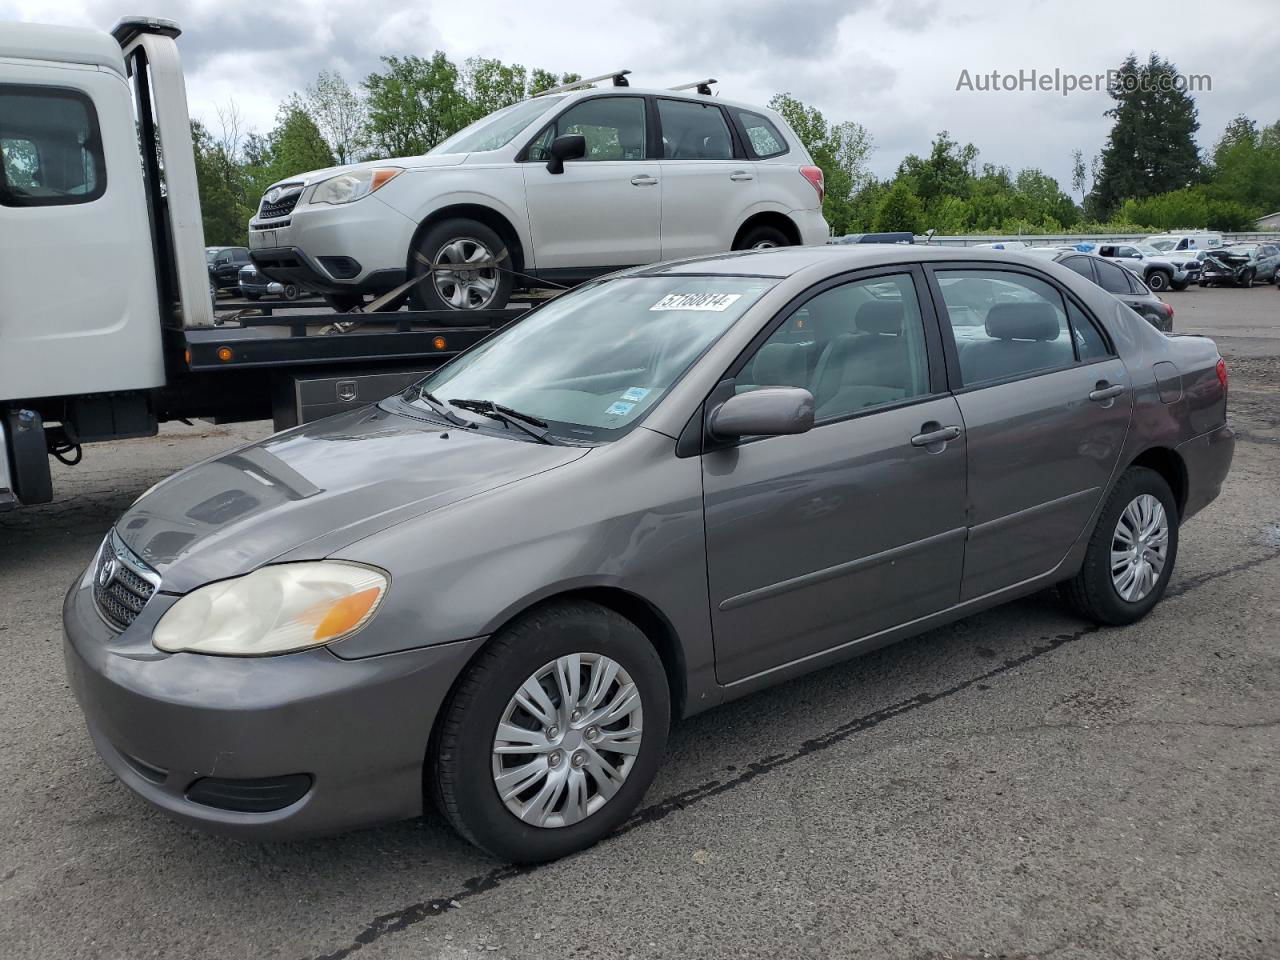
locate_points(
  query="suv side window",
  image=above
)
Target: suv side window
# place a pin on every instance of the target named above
(855, 347)
(1112, 278)
(694, 131)
(1005, 324)
(50, 148)
(765, 139)
(614, 128)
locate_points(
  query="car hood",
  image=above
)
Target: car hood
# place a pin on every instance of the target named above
(409, 163)
(310, 491)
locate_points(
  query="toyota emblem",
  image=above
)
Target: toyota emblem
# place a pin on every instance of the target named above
(107, 572)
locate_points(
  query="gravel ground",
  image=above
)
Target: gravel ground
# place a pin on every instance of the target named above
(1019, 785)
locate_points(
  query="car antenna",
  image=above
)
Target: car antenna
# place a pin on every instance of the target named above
(702, 86)
(619, 78)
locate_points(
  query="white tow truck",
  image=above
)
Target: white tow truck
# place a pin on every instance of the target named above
(106, 325)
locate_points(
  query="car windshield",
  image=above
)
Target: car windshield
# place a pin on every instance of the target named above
(594, 361)
(497, 129)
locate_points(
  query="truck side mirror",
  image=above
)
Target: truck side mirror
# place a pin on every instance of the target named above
(571, 146)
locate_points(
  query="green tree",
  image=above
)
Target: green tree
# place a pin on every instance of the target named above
(899, 209)
(413, 104)
(296, 144)
(224, 205)
(839, 149)
(948, 171)
(1151, 148)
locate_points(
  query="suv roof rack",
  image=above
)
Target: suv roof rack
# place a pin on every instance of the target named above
(619, 78)
(702, 86)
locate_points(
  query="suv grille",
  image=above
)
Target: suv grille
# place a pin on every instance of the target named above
(122, 582)
(286, 198)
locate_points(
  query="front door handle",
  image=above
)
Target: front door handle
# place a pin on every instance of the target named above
(644, 181)
(934, 434)
(741, 175)
(1104, 391)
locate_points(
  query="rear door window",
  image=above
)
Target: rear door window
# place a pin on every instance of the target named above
(1112, 278)
(765, 138)
(694, 131)
(50, 147)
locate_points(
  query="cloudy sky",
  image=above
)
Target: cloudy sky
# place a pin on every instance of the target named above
(891, 65)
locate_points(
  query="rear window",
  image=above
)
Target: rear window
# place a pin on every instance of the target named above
(50, 147)
(765, 139)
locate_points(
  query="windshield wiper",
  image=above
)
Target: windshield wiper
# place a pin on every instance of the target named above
(438, 408)
(530, 424)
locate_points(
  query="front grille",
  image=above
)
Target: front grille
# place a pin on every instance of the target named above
(270, 226)
(286, 199)
(122, 582)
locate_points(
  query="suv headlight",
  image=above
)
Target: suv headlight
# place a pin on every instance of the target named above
(346, 187)
(276, 609)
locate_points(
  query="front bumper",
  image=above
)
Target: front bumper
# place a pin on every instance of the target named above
(162, 722)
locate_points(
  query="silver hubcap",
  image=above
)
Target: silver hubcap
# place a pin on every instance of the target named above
(459, 283)
(1139, 547)
(567, 740)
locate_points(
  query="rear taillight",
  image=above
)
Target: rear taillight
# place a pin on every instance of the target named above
(1168, 310)
(816, 180)
(1222, 373)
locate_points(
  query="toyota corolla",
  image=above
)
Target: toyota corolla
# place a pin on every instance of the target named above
(653, 494)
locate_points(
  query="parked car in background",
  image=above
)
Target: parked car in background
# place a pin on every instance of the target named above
(224, 267)
(904, 236)
(500, 588)
(254, 286)
(1123, 284)
(1156, 272)
(1188, 240)
(1241, 264)
(573, 183)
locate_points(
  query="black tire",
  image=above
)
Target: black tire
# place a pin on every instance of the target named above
(762, 238)
(459, 762)
(1092, 592)
(1180, 286)
(253, 297)
(431, 248)
(1246, 278)
(1159, 280)
(342, 302)
(291, 292)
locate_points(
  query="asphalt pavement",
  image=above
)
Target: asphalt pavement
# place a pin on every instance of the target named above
(1021, 784)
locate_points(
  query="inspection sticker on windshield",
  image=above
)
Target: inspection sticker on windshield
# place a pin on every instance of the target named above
(619, 409)
(697, 301)
(635, 394)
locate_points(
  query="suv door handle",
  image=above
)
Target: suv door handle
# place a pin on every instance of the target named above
(644, 181)
(741, 175)
(1104, 391)
(935, 435)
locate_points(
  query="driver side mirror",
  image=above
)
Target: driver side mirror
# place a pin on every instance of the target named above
(571, 146)
(767, 412)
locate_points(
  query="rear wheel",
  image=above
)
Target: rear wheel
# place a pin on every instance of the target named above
(1159, 280)
(553, 735)
(469, 266)
(1131, 553)
(762, 238)
(291, 291)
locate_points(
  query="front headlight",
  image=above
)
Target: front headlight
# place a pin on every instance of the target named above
(346, 187)
(277, 609)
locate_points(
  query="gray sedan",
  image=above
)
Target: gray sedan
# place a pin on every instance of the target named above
(661, 491)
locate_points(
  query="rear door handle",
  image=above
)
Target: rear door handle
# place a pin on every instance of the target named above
(644, 181)
(1104, 392)
(740, 175)
(940, 435)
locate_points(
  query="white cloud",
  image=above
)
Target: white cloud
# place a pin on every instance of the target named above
(891, 66)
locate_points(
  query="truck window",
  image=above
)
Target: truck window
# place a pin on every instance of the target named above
(50, 146)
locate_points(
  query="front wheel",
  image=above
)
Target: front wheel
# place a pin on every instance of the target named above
(762, 238)
(1159, 281)
(469, 268)
(1131, 553)
(554, 733)
(291, 291)
(1246, 278)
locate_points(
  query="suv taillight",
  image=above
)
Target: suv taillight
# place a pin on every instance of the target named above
(1222, 373)
(816, 180)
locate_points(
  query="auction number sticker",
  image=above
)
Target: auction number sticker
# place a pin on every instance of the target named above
(716, 302)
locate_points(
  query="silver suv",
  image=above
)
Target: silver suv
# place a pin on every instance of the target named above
(576, 182)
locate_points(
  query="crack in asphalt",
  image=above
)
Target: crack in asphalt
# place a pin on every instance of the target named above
(398, 920)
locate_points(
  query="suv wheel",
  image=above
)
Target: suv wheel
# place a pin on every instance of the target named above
(1159, 281)
(291, 291)
(1131, 553)
(469, 266)
(762, 238)
(553, 734)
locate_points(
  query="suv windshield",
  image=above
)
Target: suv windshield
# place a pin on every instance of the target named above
(594, 361)
(497, 129)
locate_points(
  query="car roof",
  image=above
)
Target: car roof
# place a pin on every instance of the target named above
(661, 92)
(788, 261)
